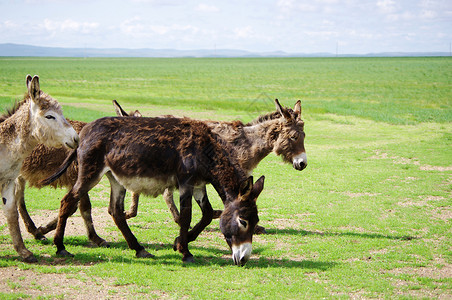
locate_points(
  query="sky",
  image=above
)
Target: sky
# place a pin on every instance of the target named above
(312, 26)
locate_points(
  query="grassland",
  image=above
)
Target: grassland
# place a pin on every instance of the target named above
(370, 217)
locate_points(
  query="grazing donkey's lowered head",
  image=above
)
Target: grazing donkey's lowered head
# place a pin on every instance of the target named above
(239, 218)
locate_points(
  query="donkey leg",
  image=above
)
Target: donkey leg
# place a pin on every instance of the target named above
(48, 227)
(12, 217)
(132, 212)
(20, 200)
(181, 242)
(169, 199)
(85, 210)
(200, 195)
(116, 210)
(67, 208)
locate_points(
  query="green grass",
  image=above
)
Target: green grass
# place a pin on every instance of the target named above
(370, 217)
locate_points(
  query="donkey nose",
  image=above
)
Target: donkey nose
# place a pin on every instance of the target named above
(301, 165)
(300, 161)
(74, 143)
(76, 140)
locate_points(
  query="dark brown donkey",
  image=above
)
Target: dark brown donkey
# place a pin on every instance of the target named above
(42, 163)
(281, 132)
(149, 155)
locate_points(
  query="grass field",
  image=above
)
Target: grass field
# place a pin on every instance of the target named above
(370, 217)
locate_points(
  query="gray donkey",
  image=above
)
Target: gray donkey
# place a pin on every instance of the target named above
(38, 118)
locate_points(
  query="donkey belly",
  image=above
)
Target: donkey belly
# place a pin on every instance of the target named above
(147, 185)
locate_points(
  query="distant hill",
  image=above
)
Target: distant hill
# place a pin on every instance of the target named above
(28, 50)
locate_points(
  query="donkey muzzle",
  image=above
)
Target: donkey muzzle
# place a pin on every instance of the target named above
(300, 162)
(241, 253)
(74, 142)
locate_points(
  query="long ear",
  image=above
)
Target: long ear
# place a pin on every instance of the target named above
(34, 90)
(119, 111)
(246, 187)
(136, 113)
(258, 187)
(28, 79)
(282, 111)
(297, 108)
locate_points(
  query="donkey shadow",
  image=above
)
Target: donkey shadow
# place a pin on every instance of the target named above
(290, 231)
(205, 256)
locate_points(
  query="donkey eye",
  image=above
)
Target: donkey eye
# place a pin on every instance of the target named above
(243, 222)
(50, 117)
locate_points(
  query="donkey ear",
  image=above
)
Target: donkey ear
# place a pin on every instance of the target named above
(28, 79)
(136, 113)
(297, 108)
(258, 187)
(246, 187)
(34, 89)
(282, 111)
(119, 111)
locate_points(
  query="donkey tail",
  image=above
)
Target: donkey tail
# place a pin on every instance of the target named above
(64, 166)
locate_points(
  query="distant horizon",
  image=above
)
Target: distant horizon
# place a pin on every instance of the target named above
(26, 50)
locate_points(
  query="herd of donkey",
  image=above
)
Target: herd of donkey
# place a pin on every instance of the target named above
(145, 155)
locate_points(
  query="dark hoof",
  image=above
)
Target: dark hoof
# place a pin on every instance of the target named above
(144, 254)
(64, 253)
(104, 244)
(188, 259)
(40, 237)
(260, 230)
(30, 259)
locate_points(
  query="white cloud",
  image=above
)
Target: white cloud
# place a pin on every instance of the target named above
(243, 32)
(207, 8)
(69, 25)
(386, 6)
(131, 26)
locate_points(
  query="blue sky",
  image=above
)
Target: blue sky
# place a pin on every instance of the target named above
(355, 26)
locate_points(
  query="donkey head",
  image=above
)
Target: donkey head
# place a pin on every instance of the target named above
(239, 218)
(49, 126)
(290, 141)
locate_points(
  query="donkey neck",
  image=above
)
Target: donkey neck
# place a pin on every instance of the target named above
(248, 143)
(16, 134)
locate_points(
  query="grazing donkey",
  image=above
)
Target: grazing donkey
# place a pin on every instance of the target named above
(149, 155)
(42, 163)
(280, 132)
(38, 118)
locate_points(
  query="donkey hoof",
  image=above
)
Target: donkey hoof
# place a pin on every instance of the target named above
(260, 230)
(41, 237)
(104, 244)
(144, 254)
(188, 259)
(30, 259)
(64, 253)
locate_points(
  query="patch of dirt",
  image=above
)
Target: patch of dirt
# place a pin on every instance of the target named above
(429, 272)
(436, 273)
(354, 195)
(399, 160)
(75, 225)
(79, 286)
(67, 286)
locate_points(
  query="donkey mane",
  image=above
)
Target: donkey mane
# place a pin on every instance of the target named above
(12, 110)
